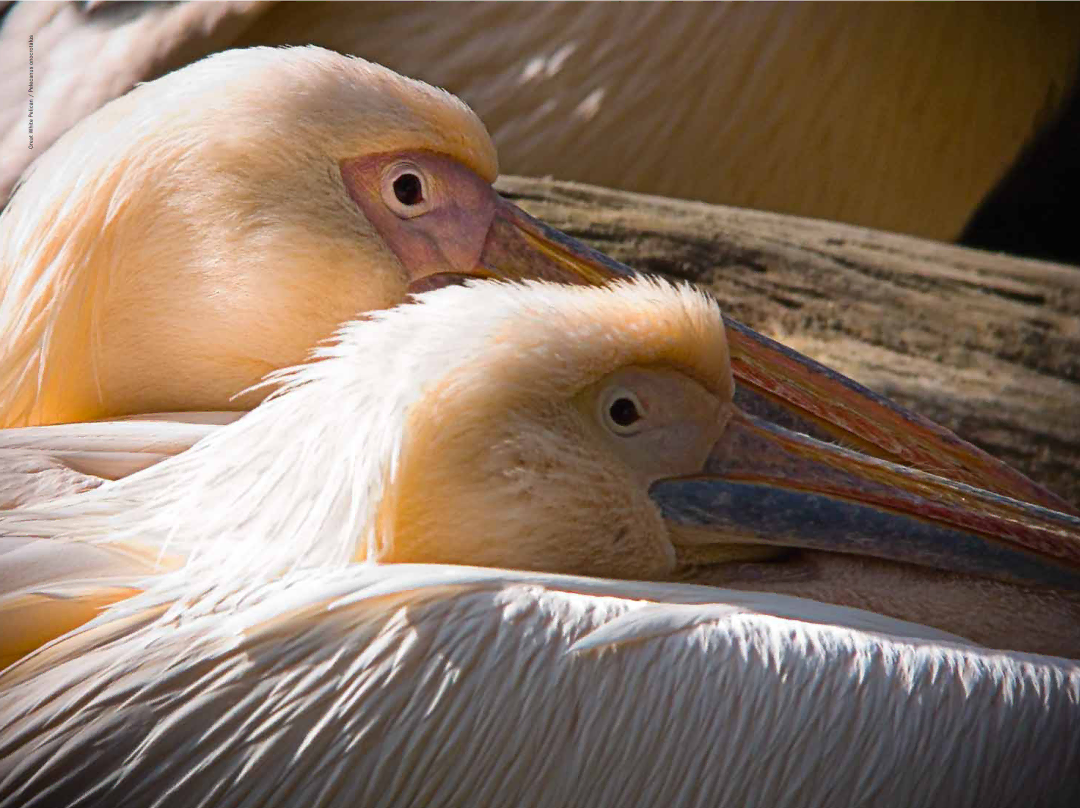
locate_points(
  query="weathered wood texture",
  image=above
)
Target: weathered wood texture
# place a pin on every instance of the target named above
(984, 343)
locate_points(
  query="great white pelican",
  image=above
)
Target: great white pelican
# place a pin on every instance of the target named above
(569, 430)
(562, 430)
(188, 238)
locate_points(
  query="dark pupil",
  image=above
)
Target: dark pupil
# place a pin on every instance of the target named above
(624, 411)
(408, 190)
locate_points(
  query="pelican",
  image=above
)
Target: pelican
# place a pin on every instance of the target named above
(713, 470)
(188, 238)
(261, 658)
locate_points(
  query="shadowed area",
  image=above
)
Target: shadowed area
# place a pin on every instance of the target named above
(901, 117)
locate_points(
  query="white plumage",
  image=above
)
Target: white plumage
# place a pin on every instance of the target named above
(332, 438)
(415, 685)
(260, 664)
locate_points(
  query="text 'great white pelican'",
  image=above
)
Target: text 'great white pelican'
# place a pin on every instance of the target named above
(212, 226)
(548, 428)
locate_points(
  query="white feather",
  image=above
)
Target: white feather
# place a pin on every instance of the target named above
(435, 686)
(221, 503)
(270, 670)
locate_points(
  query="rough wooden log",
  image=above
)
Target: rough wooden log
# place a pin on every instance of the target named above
(984, 343)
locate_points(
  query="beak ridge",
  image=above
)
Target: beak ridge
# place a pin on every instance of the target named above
(519, 246)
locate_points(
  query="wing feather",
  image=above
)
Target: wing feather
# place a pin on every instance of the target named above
(468, 690)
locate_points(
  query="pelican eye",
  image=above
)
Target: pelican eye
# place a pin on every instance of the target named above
(408, 189)
(623, 412)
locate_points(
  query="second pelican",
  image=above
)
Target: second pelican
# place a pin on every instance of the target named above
(575, 430)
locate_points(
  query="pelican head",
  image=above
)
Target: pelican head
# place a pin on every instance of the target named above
(588, 430)
(597, 432)
(214, 225)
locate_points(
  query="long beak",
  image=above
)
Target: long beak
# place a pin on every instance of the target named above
(774, 382)
(764, 484)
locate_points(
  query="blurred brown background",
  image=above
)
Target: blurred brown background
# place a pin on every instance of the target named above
(903, 117)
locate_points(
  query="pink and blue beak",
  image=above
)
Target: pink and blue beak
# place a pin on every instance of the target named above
(909, 490)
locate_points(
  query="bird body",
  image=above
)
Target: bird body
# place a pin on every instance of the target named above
(442, 685)
(38, 464)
